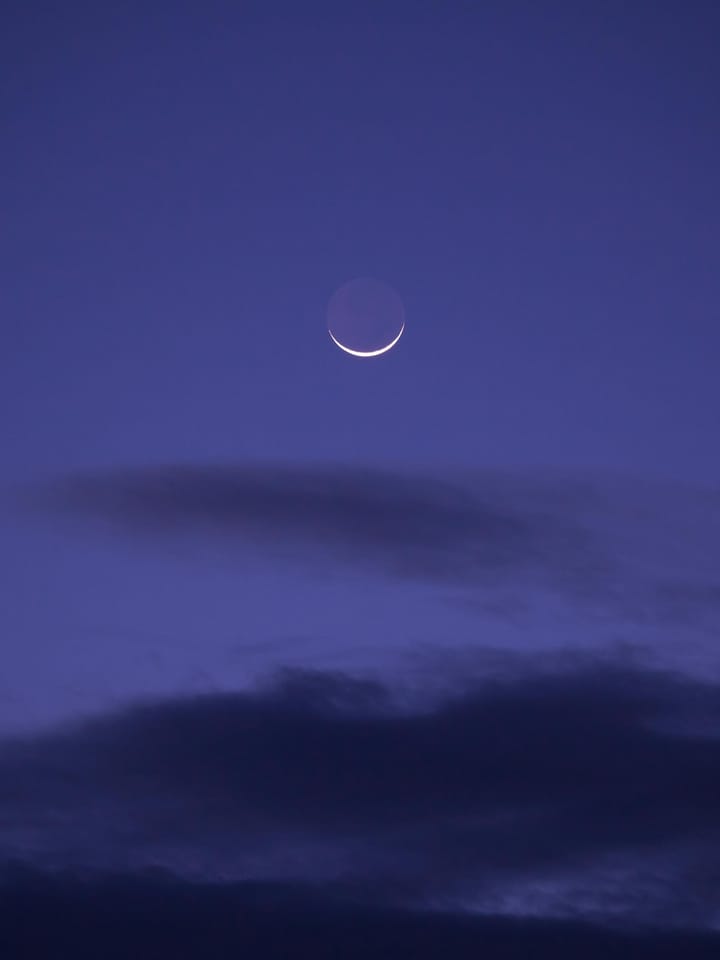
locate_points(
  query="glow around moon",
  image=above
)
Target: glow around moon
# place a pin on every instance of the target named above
(365, 318)
(366, 353)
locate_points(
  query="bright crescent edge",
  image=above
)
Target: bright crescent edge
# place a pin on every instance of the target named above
(367, 353)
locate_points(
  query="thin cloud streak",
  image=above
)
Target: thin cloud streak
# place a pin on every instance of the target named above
(605, 549)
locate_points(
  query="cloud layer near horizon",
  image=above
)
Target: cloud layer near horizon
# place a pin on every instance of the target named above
(120, 916)
(593, 792)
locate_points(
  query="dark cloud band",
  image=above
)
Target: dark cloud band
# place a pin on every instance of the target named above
(531, 782)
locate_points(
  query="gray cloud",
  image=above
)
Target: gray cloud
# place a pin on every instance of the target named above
(636, 553)
(593, 792)
(408, 525)
(119, 916)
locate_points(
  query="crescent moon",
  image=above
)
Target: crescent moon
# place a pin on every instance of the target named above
(367, 353)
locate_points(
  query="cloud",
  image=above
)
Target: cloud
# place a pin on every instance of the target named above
(408, 525)
(592, 792)
(632, 552)
(145, 915)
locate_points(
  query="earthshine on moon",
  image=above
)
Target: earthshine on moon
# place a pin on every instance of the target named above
(366, 318)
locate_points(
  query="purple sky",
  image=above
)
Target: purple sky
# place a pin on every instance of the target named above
(201, 489)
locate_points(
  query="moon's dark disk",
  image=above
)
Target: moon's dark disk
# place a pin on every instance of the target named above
(365, 317)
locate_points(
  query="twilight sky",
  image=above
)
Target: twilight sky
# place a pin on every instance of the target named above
(434, 630)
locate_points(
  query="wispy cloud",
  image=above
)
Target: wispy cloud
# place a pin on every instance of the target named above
(616, 550)
(410, 525)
